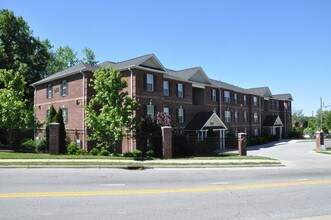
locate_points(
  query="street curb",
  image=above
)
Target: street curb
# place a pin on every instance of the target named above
(144, 167)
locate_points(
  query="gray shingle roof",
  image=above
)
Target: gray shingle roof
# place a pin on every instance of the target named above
(67, 72)
(127, 63)
(260, 91)
(183, 74)
(286, 96)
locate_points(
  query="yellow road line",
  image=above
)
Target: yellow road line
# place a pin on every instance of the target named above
(159, 191)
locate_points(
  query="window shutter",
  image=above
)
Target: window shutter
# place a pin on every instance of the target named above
(145, 110)
(145, 82)
(47, 92)
(170, 111)
(183, 91)
(155, 83)
(184, 115)
(51, 91)
(67, 87)
(177, 116)
(155, 109)
(61, 88)
(211, 94)
(169, 88)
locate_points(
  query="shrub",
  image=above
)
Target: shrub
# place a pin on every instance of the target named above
(150, 153)
(94, 151)
(103, 152)
(40, 146)
(136, 153)
(128, 154)
(81, 151)
(72, 148)
(28, 146)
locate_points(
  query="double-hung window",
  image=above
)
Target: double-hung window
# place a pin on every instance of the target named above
(256, 132)
(65, 115)
(227, 116)
(235, 98)
(49, 93)
(166, 88)
(64, 88)
(256, 117)
(245, 100)
(180, 115)
(180, 90)
(236, 118)
(150, 110)
(150, 82)
(166, 110)
(255, 101)
(245, 116)
(226, 96)
(213, 95)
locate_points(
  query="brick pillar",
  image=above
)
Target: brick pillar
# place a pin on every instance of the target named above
(166, 142)
(54, 138)
(319, 140)
(242, 144)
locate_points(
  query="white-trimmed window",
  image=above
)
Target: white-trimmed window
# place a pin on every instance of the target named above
(277, 104)
(227, 116)
(180, 115)
(180, 90)
(236, 118)
(255, 101)
(227, 96)
(256, 117)
(235, 98)
(166, 110)
(47, 113)
(272, 104)
(245, 116)
(166, 88)
(150, 82)
(256, 132)
(245, 100)
(64, 88)
(65, 115)
(49, 92)
(150, 110)
(213, 95)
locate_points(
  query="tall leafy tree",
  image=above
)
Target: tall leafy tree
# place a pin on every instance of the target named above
(89, 56)
(63, 142)
(14, 113)
(20, 51)
(110, 113)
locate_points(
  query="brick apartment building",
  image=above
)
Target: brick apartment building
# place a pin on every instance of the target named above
(194, 102)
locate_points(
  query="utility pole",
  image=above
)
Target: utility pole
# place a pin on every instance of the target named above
(321, 114)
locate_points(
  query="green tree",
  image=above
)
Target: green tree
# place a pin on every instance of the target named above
(20, 51)
(110, 112)
(89, 56)
(63, 134)
(50, 119)
(65, 57)
(14, 113)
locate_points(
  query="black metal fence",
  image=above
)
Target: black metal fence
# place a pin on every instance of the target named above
(12, 139)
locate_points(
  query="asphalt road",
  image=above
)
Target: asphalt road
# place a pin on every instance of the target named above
(291, 192)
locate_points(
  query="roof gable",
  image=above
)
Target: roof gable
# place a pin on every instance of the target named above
(204, 121)
(199, 76)
(153, 63)
(272, 120)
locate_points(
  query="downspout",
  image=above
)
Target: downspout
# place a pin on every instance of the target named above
(222, 136)
(35, 109)
(131, 95)
(83, 110)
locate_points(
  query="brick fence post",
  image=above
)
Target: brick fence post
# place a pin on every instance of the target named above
(54, 138)
(319, 140)
(166, 142)
(242, 144)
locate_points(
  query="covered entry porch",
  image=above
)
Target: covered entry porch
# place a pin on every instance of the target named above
(273, 125)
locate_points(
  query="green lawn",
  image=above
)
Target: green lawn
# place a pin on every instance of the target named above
(225, 156)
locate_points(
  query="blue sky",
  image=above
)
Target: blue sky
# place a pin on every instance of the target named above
(283, 44)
